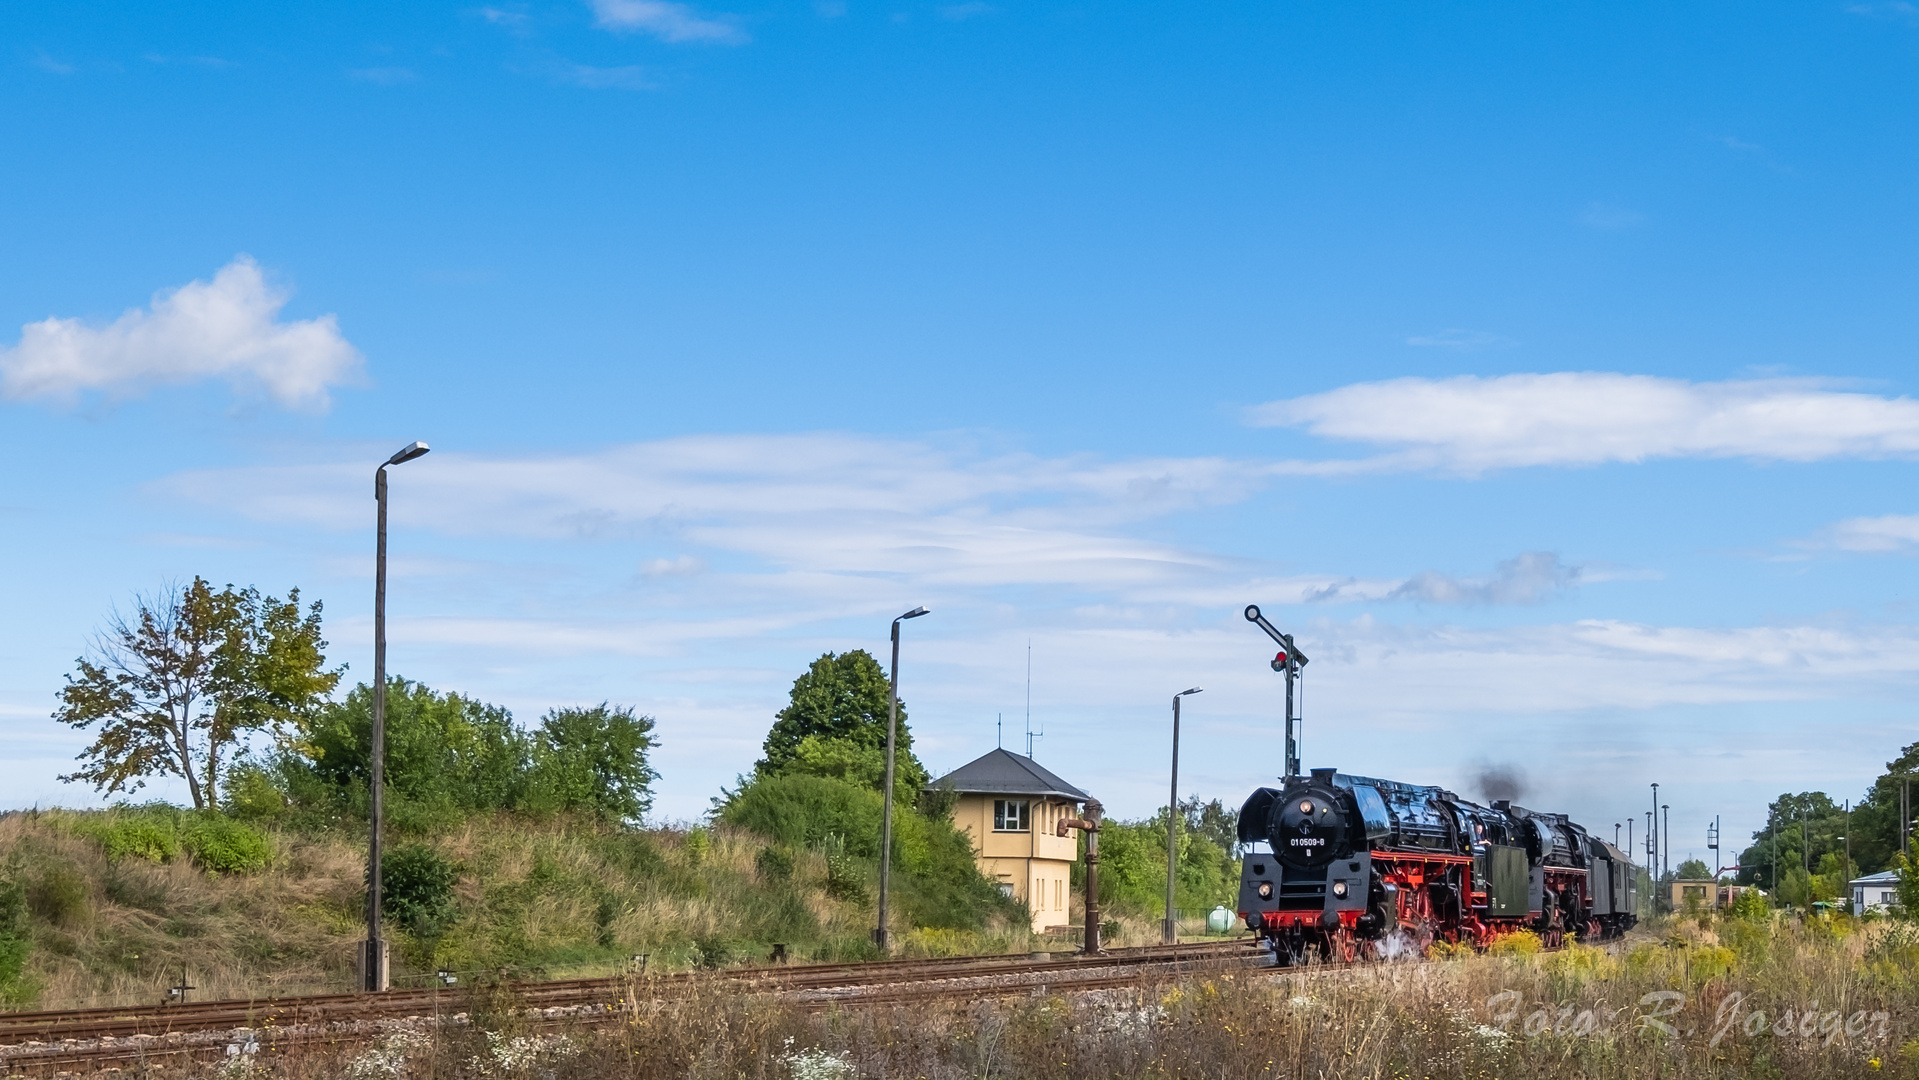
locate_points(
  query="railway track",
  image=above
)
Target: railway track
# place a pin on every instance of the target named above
(95, 1039)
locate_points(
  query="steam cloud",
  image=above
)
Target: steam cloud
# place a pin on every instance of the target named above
(1500, 781)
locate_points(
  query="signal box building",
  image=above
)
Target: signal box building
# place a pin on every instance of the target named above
(1009, 807)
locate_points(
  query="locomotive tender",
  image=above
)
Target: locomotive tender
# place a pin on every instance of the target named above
(1352, 867)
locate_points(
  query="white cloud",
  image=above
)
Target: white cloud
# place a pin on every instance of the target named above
(1469, 424)
(1527, 578)
(664, 20)
(503, 16)
(1891, 532)
(226, 328)
(683, 566)
(824, 507)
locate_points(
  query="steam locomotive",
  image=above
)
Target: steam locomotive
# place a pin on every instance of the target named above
(1350, 867)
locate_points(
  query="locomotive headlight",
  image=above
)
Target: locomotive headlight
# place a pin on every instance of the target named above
(1306, 806)
(1265, 890)
(1339, 888)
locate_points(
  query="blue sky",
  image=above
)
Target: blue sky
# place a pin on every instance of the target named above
(1547, 371)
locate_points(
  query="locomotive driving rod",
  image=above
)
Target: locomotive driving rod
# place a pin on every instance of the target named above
(1290, 660)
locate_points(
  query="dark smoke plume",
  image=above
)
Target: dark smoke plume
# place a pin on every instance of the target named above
(1500, 781)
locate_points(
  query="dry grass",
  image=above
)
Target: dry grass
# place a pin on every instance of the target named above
(1582, 1012)
(534, 898)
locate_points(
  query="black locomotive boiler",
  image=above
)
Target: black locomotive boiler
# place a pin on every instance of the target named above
(1350, 867)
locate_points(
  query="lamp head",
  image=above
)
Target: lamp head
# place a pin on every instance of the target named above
(913, 614)
(1183, 693)
(408, 453)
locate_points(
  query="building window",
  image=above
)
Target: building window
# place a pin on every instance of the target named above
(1006, 889)
(1009, 815)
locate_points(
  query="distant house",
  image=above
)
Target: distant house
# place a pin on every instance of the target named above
(1009, 807)
(1702, 891)
(1875, 892)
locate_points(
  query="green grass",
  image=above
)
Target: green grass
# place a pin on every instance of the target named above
(115, 903)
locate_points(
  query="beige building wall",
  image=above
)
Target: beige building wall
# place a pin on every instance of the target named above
(1034, 864)
(1706, 892)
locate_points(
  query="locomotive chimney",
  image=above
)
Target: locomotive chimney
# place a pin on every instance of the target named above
(1323, 776)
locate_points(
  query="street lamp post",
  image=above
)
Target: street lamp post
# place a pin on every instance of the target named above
(1665, 840)
(1170, 933)
(881, 937)
(373, 966)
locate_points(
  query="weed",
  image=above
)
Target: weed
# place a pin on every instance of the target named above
(62, 896)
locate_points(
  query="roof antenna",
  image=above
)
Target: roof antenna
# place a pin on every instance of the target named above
(1000, 740)
(1030, 733)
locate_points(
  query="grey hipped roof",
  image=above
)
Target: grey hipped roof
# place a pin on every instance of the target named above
(1003, 772)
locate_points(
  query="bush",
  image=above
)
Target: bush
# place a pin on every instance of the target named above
(844, 881)
(711, 951)
(774, 864)
(935, 876)
(252, 794)
(16, 943)
(1709, 962)
(160, 833)
(221, 845)
(1517, 943)
(62, 897)
(416, 887)
(146, 832)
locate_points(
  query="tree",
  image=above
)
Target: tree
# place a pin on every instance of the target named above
(840, 699)
(444, 752)
(1211, 820)
(594, 760)
(1793, 822)
(1875, 818)
(1694, 870)
(175, 688)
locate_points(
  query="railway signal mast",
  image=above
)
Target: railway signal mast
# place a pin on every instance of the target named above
(1290, 661)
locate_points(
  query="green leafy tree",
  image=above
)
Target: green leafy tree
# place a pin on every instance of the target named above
(594, 761)
(1907, 906)
(841, 699)
(1694, 870)
(1792, 823)
(444, 752)
(174, 688)
(1211, 820)
(1875, 818)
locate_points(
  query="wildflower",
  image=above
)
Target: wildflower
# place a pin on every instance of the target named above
(819, 1064)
